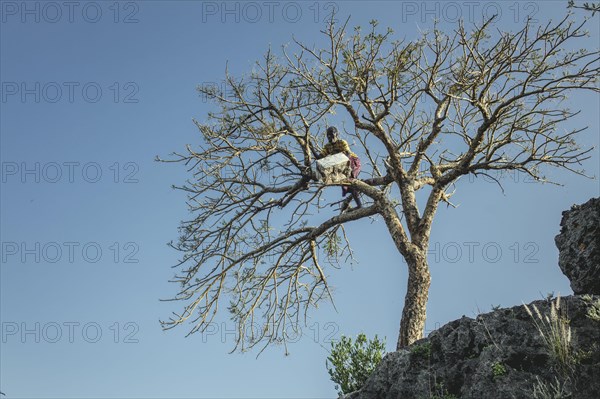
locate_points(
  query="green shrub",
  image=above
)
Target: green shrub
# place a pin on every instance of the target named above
(498, 370)
(556, 333)
(550, 390)
(441, 393)
(421, 351)
(351, 363)
(593, 311)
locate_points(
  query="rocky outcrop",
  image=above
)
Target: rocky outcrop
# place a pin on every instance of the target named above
(579, 247)
(503, 354)
(498, 355)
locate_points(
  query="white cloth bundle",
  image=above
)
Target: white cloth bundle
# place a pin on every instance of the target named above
(333, 168)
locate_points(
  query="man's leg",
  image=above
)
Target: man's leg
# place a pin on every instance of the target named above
(356, 197)
(355, 165)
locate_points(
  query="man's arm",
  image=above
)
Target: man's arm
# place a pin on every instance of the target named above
(345, 148)
(324, 152)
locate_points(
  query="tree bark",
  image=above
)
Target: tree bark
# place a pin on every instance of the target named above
(414, 251)
(414, 313)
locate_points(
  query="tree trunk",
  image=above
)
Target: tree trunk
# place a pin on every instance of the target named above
(414, 313)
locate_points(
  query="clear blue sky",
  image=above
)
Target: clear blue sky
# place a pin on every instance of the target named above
(92, 91)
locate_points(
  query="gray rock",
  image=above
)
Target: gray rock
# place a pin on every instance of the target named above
(498, 355)
(579, 247)
(502, 355)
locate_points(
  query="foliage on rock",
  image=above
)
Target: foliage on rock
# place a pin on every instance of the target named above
(352, 362)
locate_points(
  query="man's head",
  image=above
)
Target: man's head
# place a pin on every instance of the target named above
(332, 134)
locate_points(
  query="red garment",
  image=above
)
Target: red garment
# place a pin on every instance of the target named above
(354, 171)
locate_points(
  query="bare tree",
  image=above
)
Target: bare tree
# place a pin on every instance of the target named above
(593, 7)
(423, 114)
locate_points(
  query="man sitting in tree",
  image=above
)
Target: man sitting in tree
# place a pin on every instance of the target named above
(335, 146)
